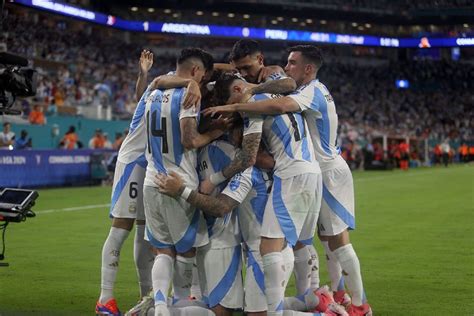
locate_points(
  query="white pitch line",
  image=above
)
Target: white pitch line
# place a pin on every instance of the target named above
(72, 209)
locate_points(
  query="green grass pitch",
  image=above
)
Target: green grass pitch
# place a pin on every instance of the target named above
(414, 239)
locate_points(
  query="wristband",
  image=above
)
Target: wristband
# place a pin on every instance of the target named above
(217, 178)
(186, 193)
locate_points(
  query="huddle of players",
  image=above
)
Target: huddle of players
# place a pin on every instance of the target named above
(263, 184)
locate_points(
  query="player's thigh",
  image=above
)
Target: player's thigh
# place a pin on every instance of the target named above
(127, 191)
(157, 232)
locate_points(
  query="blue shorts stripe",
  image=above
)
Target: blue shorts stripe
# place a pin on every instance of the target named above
(257, 271)
(281, 212)
(307, 242)
(187, 241)
(338, 208)
(121, 184)
(220, 291)
(154, 242)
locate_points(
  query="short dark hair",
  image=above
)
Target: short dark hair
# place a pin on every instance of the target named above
(6, 123)
(222, 87)
(311, 53)
(197, 53)
(243, 48)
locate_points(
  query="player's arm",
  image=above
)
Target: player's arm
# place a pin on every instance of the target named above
(192, 139)
(145, 63)
(268, 106)
(264, 159)
(275, 81)
(193, 92)
(173, 186)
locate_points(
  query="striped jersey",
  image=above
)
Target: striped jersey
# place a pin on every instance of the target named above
(285, 137)
(164, 151)
(134, 144)
(250, 188)
(319, 110)
(223, 231)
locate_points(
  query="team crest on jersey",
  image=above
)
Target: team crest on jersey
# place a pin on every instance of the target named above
(235, 182)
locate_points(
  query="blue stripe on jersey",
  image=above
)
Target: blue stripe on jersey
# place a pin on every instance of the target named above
(258, 202)
(257, 271)
(281, 212)
(154, 242)
(187, 241)
(224, 285)
(307, 242)
(175, 109)
(260, 97)
(219, 159)
(122, 182)
(338, 208)
(281, 130)
(155, 142)
(323, 124)
(301, 126)
(139, 111)
(141, 161)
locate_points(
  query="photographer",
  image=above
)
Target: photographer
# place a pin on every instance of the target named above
(7, 137)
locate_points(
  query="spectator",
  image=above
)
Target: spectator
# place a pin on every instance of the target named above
(70, 139)
(107, 143)
(52, 108)
(7, 137)
(464, 153)
(118, 141)
(36, 116)
(98, 140)
(24, 142)
(445, 150)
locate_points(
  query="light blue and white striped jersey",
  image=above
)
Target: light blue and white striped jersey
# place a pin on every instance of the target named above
(250, 188)
(164, 151)
(286, 139)
(134, 144)
(223, 231)
(319, 110)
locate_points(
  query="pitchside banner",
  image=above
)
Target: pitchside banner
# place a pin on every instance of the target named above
(33, 168)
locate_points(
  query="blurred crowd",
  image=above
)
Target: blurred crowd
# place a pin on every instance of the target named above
(81, 67)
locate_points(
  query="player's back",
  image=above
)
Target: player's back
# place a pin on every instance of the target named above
(134, 145)
(223, 232)
(319, 111)
(164, 151)
(285, 137)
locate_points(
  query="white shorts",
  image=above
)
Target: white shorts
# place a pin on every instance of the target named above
(172, 223)
(127, 191)
(337, 207)
(292, 208)
(220, 276)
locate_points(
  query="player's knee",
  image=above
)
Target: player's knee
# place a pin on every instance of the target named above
(124, 223)
(189, 254)
(338, 240)
(220, 310)
(166, 251)
(268, 245)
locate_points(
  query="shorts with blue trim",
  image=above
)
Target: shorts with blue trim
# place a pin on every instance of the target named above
(292, 208)
(254, 300)
(127, 191)
(220, 276)
(172, 223)
(337, 207)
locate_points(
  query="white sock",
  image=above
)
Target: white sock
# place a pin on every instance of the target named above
(301, 303)
(183, 277)
(303, 265)
(334, 268)
(191, 311)
(296, 313)
(350, 265)
(289, 262)
(161, 273)
(314, 281)
(274, 271)
(195, 286)
(144, 258)
(110, 262)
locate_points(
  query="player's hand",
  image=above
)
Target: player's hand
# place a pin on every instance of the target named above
(146, 61)
(267, 71)
(154, 83)
(193, 95)
(219, 110)
(206, 187)
(222, 123)
(170, 184)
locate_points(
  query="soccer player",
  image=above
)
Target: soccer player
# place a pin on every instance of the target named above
(337, 210)
(174, 227)
(293, 205)
(127, 206)
(247, 57)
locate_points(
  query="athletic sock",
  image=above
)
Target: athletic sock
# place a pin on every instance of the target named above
(314, 282)
(289, 262)
(110, 262)
(302, 303)
(334, 269)
(144, 258)
(191, 311)
(302, 271)
(161, 273)
(195, 286)
(183, 277)
(351, 269)
(274, 271)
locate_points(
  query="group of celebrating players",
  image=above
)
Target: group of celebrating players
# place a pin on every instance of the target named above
(246, 177)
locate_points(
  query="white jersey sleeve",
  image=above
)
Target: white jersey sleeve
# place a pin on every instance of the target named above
(253, 123)
(239, 186)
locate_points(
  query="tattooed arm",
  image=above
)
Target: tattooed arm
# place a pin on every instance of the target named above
(276, 81)
(191, 138)
(246, 157)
